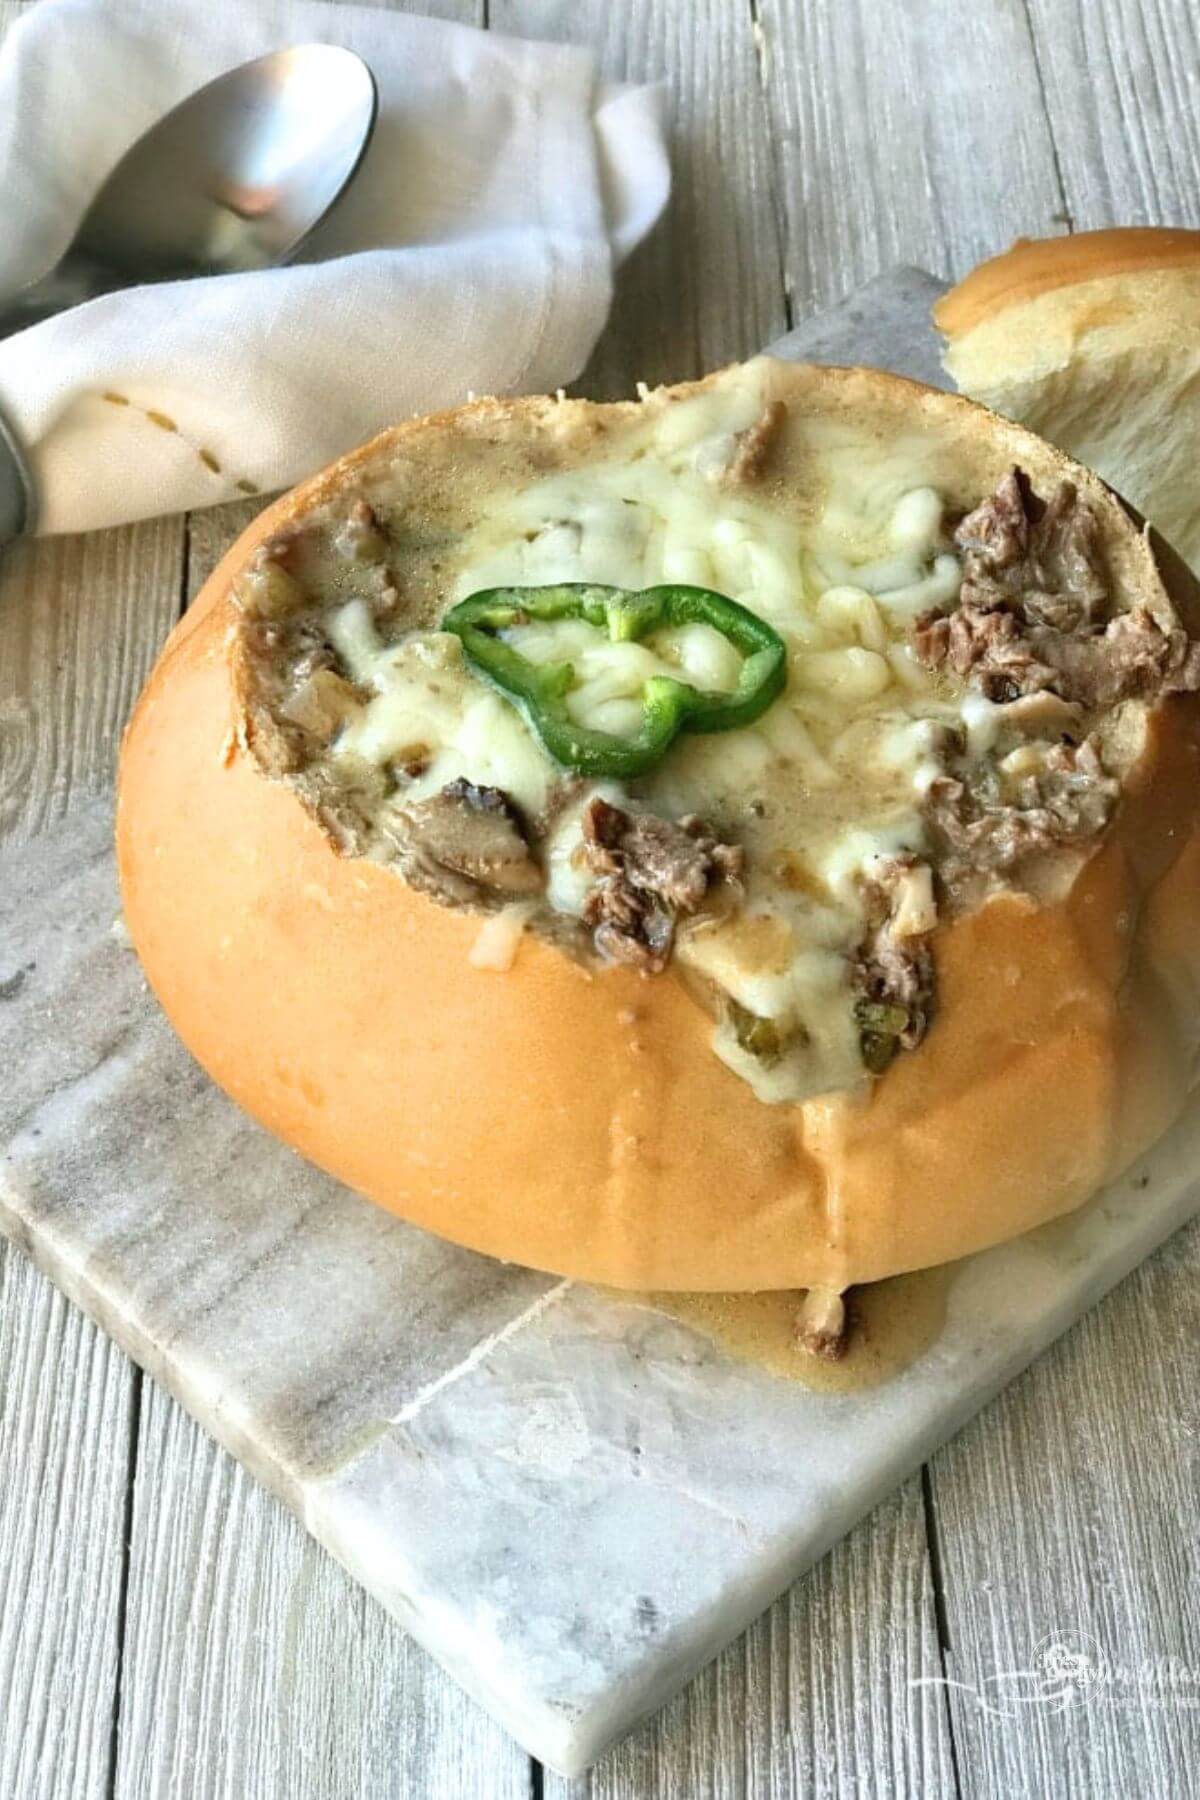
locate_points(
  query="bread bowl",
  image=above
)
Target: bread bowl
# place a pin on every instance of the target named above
(442, 966)
(1094, 341)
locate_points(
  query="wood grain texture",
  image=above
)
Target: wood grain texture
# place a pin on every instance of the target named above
(815, 1700)
(1121, 80)
(66, 1422)
(81, 620)
(706, 288)
(904, 134)
(1067, 1514)
(209, 536)
(255, 1669)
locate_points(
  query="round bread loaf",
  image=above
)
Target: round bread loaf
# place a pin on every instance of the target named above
(1094, 341)
(569, 1111)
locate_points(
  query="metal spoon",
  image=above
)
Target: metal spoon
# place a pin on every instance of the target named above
(235, 177)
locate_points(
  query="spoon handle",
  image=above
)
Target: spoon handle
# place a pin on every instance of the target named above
(18, 496)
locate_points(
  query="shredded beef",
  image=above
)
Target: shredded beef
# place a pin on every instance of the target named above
(989, 647)
(1046, 558)
(755, 444)
(1132, 659)
(1031, 615)
(980, 830)
(650, 872)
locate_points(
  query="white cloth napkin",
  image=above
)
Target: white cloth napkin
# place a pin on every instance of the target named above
(475, 251)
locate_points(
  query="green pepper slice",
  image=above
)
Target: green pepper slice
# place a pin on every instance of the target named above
(669, 706)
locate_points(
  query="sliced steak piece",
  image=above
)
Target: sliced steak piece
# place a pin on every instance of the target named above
(1132, 659)
(1031, 614)
(1071, 799)
(1046, 557)
(990, 648)
(651, 872)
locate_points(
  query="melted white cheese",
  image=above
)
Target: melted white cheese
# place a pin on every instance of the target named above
(831, 777)
(499, 937)
(426, 708)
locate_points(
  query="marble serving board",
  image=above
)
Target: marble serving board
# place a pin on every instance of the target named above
(573, 1501)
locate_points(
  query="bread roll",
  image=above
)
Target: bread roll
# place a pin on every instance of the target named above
(902, 967)
(1094, 341)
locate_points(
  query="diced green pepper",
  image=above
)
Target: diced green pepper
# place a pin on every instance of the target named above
(759, 1037)
(878, 1050)
(888, 1021)
(880, 1026)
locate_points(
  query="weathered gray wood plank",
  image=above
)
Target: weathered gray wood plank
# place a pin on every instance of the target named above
(80, 621)
(66, 1422)
(255, 1668)
(904, 134)
(209, 536)
(706, 288)
(1120, 79)
(1067, 1515)
(815, 1699)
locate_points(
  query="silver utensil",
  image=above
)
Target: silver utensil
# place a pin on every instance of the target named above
(235, 177)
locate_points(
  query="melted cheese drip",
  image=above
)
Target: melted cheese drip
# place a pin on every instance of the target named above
(828, 781)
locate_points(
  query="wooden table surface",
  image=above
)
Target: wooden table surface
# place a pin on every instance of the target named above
(165, 1628)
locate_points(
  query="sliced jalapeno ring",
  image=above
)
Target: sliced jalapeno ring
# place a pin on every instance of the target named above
(669, 706)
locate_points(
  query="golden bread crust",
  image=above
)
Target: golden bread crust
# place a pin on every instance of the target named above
(1035, 266)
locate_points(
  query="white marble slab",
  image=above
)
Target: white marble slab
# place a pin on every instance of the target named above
(572, 1501)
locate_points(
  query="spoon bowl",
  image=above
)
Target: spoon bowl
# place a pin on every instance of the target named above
(235, 177)
(239, 174)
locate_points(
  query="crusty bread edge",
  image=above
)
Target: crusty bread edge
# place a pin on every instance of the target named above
(1033, 266)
